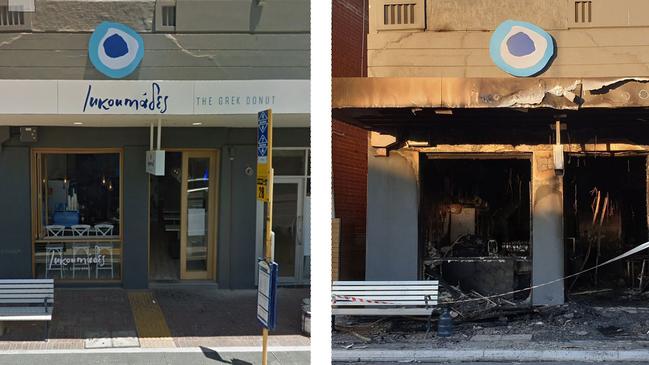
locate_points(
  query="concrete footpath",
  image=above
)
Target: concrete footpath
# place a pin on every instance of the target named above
(185, 356)
(168, 318)
(586, 351)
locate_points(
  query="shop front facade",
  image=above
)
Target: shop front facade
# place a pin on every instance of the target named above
(78, 203)
(494, 172)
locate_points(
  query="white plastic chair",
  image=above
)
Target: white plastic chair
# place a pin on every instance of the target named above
(80, 230)
(51, 253)
(104, 229)
(108, 263)
(80, 249)
(54, 230)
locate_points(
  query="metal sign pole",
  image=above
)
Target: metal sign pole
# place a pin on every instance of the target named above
(265, 193)
(268, 251)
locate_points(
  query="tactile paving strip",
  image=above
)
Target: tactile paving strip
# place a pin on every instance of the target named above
(150, 322)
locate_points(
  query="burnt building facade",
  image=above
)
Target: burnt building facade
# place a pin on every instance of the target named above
(508, 144)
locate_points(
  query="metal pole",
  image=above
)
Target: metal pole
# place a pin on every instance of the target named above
(269, 227)
(151, 136)
(268, 252)
(159, 132)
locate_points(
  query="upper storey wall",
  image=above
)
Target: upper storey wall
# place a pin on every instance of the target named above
(450, 38)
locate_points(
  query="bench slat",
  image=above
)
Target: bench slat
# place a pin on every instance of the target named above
(384, 287)
(387, 292)
(26, 295)
(5, 311)
(389, 297)
(33, 290)
(378, 282)
(26, 301)
(392, 303)
(26, 286)
(34, 317)
(383, 311)
(29, 281)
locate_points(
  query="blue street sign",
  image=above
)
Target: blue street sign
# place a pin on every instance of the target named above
(267, 294)
(262, 137)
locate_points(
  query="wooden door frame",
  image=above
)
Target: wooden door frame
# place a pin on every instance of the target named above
(301, 193)
(212, 210)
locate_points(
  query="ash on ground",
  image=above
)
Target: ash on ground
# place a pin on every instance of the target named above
(605, 316)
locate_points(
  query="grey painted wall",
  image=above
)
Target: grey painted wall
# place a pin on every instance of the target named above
(239, 211)
(64, 56)
(392, 216)
(15, 214)
(135, 215)
(213, 40)
(547, 231)
(236, 232)
(217, 16)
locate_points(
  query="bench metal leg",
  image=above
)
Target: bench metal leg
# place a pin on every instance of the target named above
(429, 324)
(2, 328)
(47, 330)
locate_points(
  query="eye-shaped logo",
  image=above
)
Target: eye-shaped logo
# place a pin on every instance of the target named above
(520, 48)
(115, 49)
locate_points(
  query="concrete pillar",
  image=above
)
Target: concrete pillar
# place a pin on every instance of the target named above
(547, 230)
(392, 216)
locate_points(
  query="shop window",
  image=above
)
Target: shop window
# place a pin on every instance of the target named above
(289, 162)
(78, 215)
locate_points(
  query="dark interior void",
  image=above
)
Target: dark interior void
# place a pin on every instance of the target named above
(605, 214)
(475, 222)
(165, 221)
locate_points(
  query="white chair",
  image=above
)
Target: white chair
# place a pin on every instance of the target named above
(54, 230)
(52, 252)
(80, 250)
(80, 230)
(104, 229)
(107, 263)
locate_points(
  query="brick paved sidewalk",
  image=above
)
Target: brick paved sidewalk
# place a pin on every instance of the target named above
(194, 315)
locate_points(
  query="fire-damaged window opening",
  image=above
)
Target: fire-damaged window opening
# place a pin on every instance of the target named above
(605, 215)
(475, 222)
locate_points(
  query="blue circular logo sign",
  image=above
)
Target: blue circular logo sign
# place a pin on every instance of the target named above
(520, 48)
(115, 49)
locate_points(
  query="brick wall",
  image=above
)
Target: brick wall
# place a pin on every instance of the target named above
(349, 143)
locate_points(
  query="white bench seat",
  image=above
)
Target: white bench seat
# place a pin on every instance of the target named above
(26, 300)
(384, 298)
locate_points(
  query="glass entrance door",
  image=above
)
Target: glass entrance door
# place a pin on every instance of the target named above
(288, 215)
(197, 214)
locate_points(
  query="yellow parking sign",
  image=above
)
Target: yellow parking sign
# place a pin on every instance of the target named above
(264, 153)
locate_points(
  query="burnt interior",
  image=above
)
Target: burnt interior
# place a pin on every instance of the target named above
(475, 222)
(605, 215)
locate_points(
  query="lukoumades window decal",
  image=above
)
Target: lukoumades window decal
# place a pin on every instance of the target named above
(521, 49)
(115, 49)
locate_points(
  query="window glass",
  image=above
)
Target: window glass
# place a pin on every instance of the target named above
(79, 216)
(80, 189)
(289, 162)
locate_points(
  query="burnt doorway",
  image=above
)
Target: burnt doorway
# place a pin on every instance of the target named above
(475, 221)
(605, 214)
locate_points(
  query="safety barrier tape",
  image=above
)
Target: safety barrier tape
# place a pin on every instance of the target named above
(356, 299)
